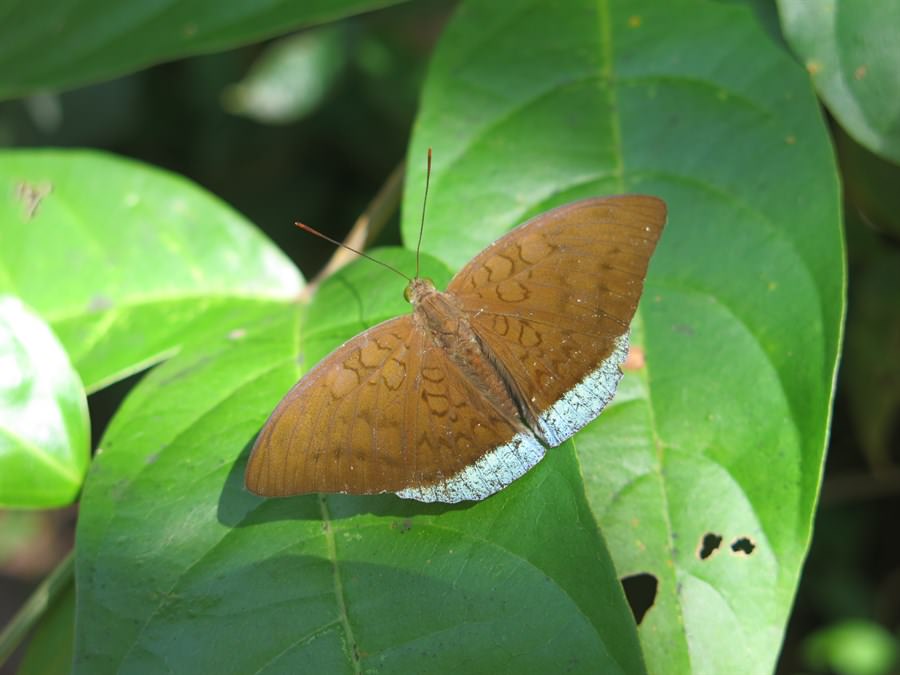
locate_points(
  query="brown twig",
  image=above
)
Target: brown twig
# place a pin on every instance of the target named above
(364, 230)
(35, 607)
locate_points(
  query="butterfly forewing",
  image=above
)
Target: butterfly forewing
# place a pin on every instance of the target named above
(387, 412)
(553, 301)
(337, 429)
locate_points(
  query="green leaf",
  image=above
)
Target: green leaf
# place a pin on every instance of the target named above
(93, 41)
(44, 428)
(170, 544)
(854, 647)
(290, 78)
(17, 530)
(722, 433)
(851, 51)
(869, 183)
(126, 262)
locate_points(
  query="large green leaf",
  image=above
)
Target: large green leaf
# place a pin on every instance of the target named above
(44, 429)
(852, 53)
(181, 570)
(71, 42)
(705, 471)
(126, 262)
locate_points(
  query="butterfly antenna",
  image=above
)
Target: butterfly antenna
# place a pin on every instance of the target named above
(307, 228)
(424, 202)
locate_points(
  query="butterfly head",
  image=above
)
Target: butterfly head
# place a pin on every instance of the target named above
(417, 289)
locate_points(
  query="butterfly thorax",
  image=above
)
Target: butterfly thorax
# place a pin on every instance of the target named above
(444, 322)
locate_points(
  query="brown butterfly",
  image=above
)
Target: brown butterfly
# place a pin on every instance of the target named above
(458, 399)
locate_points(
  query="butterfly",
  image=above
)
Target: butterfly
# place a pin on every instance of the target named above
(464, 395)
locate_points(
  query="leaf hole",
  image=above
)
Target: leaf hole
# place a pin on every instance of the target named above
(709, 545)
(743, 546)
(640, 591)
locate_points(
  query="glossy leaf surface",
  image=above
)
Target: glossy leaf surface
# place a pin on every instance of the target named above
(44, 427)
(126, 262)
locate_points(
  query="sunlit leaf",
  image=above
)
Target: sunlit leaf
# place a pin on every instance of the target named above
(127, 262)
(44, 426)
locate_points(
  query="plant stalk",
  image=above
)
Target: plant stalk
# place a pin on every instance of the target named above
(364, 230)
(34, 608)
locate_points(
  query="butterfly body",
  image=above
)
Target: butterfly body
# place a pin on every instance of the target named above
(459, 398)
(439, 316)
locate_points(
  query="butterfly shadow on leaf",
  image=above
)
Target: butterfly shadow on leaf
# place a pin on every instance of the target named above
(239, 508)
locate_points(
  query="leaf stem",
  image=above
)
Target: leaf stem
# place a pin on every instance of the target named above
(364, 230)
(34, 608)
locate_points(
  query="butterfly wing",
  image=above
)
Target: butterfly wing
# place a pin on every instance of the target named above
(553, 301)
(387, 412)
(464, 447)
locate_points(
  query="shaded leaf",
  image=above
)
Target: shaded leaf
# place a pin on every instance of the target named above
(869, 188)
(851, 52)
(94, 41)
(44, 426)
(290, 78)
